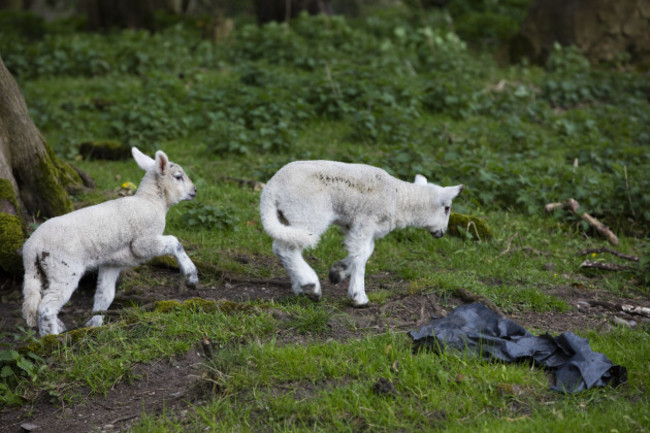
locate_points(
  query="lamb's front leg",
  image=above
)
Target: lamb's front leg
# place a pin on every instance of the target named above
(105, 293)
(359, 250)
(149, 247)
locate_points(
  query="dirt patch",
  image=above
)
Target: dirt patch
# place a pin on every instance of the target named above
(169, 385)
(163, 385)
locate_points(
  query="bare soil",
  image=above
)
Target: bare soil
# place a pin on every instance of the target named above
(172, 385)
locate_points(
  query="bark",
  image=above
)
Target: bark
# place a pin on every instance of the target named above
(286, 10)
(602, 29)
(33, 181)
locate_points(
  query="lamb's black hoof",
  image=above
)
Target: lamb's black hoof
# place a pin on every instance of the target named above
(337, 272)
(309, 290)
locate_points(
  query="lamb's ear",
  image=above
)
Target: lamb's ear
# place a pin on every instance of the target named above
(144, 162)
(162, 162)
(453, 191)
(420, 180)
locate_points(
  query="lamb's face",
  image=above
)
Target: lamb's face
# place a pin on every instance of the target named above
(439, 216)
(177, 185)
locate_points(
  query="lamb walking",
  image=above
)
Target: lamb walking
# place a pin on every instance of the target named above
(109, 237)
(305, 197)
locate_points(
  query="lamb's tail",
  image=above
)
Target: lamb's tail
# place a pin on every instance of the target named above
(32, 287)
(280, 229)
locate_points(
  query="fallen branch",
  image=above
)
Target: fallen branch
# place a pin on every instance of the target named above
(626, 308)
(631, 309)
(605, 266)
(572, 205)
(610, 251)
(601, 228)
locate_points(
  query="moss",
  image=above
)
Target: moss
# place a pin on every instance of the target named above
(109, 150)
(467, 226)
(51, 185)
(7, 193)
(11, 239)
(11, 230)
(49, 343)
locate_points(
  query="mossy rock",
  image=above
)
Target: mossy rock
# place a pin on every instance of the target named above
(468, 227)
(108, 150)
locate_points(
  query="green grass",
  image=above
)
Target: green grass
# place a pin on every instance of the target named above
(368, 90)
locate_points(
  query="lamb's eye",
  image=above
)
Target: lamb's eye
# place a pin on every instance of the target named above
(178, 176)
(447, 209)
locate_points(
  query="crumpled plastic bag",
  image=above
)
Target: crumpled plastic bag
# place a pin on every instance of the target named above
(479, 331)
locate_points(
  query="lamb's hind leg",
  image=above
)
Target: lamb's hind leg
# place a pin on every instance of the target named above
(360, 246)
(105, 293)
(303, 278)
(154, 246)
(60, 289)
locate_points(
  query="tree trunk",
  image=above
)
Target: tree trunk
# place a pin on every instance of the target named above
(33, 181)
(602, 29)
(285, 10)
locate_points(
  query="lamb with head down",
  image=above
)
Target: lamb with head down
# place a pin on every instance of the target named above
(109, 237)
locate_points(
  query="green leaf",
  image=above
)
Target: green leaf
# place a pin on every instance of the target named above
(6, 371)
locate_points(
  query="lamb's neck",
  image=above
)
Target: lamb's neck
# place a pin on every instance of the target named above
(151, 191)
(413, 205)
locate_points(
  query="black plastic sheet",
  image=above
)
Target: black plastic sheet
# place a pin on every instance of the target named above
(479, 331)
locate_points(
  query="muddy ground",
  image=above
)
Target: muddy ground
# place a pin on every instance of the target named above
(173, 385)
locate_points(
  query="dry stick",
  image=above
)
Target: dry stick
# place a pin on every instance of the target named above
(507, 250)
(605, 266)
(472, 223)
(335, 89)
(602, 228)
(610, 251)
(573, 205)
(626, 308)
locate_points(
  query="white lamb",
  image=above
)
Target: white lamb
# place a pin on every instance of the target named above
(109, 237)
(305, 197)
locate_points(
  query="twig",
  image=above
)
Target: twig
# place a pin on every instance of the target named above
(605, 266)
(507, 250)
(123, 418)
(601, 228)
(626, 308)
(335, 89)
(472, 223)
(569, 204)
(610, 251)
(572, 205)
